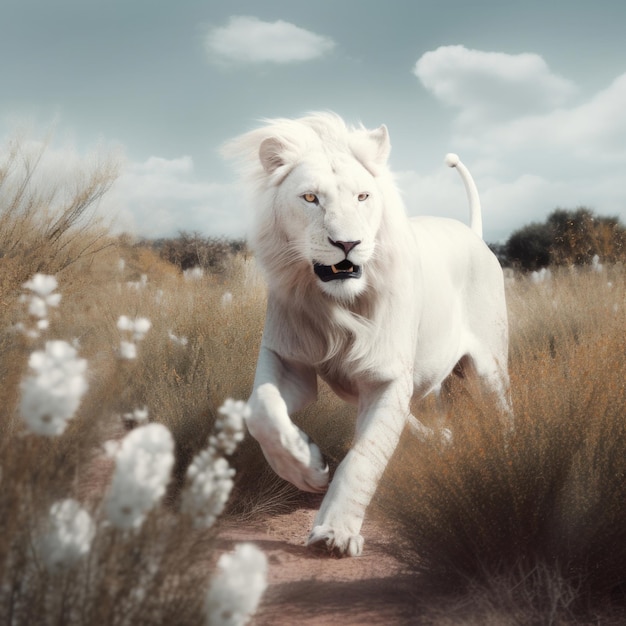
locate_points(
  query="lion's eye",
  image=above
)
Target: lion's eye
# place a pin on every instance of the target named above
(310, 197)
(362, 197)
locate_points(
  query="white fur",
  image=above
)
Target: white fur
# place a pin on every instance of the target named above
(430, 295)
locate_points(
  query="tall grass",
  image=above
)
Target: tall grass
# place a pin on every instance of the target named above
(528, 528)
(47, 218)
(532, 526)
(195, 355)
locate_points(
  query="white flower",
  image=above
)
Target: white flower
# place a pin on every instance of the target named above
(128, 350)
(42, 324)
(137, 330)
(143, 464)
(209, 483)
(41, 284)
(67, 536)
(141, 327)
(137, 327)
(193, 273)
(52, 393)
(230, 427)
(37, 307)
(124, 323)
(540, 276)
(138, 416)
(237, 587)
(42, 297)
(227, 298)
(181, 341)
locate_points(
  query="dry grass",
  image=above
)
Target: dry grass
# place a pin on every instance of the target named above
(161, 573)
(534, 524)
(525, 530)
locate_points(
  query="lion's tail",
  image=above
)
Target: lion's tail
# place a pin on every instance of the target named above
(476, 220)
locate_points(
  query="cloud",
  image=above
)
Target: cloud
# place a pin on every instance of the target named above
(250, 40)
(594, 130)
(156, 197)
(159, 197)
(487, 86)
(54, 173)
(531, 139)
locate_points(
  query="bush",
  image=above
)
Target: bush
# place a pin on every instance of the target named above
(94, 529)
(531, 526)
(529, 247)
(567, 237)
(580, 235)
(190, 250)
(47, 222)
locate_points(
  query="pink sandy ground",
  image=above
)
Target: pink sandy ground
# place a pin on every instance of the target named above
(311, 588)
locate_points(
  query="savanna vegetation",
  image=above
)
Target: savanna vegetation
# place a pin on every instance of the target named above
(525, 528)
(567, 237)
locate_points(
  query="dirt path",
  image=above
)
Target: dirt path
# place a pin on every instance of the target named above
(307, 588)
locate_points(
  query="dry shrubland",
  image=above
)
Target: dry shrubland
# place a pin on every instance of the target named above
(197, 351)
(527, 528)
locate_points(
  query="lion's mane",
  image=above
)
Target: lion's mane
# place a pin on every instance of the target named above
(333, 335)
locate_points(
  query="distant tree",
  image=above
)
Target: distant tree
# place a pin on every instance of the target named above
(529, 247)
(500, 250)
(194, 250)
(567, 237)
(579, 235)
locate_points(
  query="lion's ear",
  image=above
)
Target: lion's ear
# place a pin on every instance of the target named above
(371, 148)
(380, 139)
(271, 153)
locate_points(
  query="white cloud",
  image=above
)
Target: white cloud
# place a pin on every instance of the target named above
(158, 197)
(531, 146)
(507, 203)
(485, 86)
(250, 40)
(594, 130)
(153, 198)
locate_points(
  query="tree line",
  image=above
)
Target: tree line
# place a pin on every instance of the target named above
(566, 237)
(189, 250)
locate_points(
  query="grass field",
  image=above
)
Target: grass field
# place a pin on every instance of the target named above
(528, 529)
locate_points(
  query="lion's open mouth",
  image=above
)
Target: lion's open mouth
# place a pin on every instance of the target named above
(341, 271)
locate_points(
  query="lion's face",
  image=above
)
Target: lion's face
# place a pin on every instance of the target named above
(331, 211)
(329, 207)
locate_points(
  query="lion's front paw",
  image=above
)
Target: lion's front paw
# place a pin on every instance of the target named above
(298, 460)
(337, 542)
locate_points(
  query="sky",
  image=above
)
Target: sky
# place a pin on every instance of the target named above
(531, 95)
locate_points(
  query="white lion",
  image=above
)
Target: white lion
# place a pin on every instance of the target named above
(381, 307)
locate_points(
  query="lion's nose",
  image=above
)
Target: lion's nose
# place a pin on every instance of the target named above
(346, 246)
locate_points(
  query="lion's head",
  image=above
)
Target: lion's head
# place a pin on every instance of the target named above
(319, 202)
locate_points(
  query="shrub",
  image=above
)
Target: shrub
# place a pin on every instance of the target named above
(531, 525)
(92, 530)
(567, 237)
(529, 247)
(190, 250)
(47, 222)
